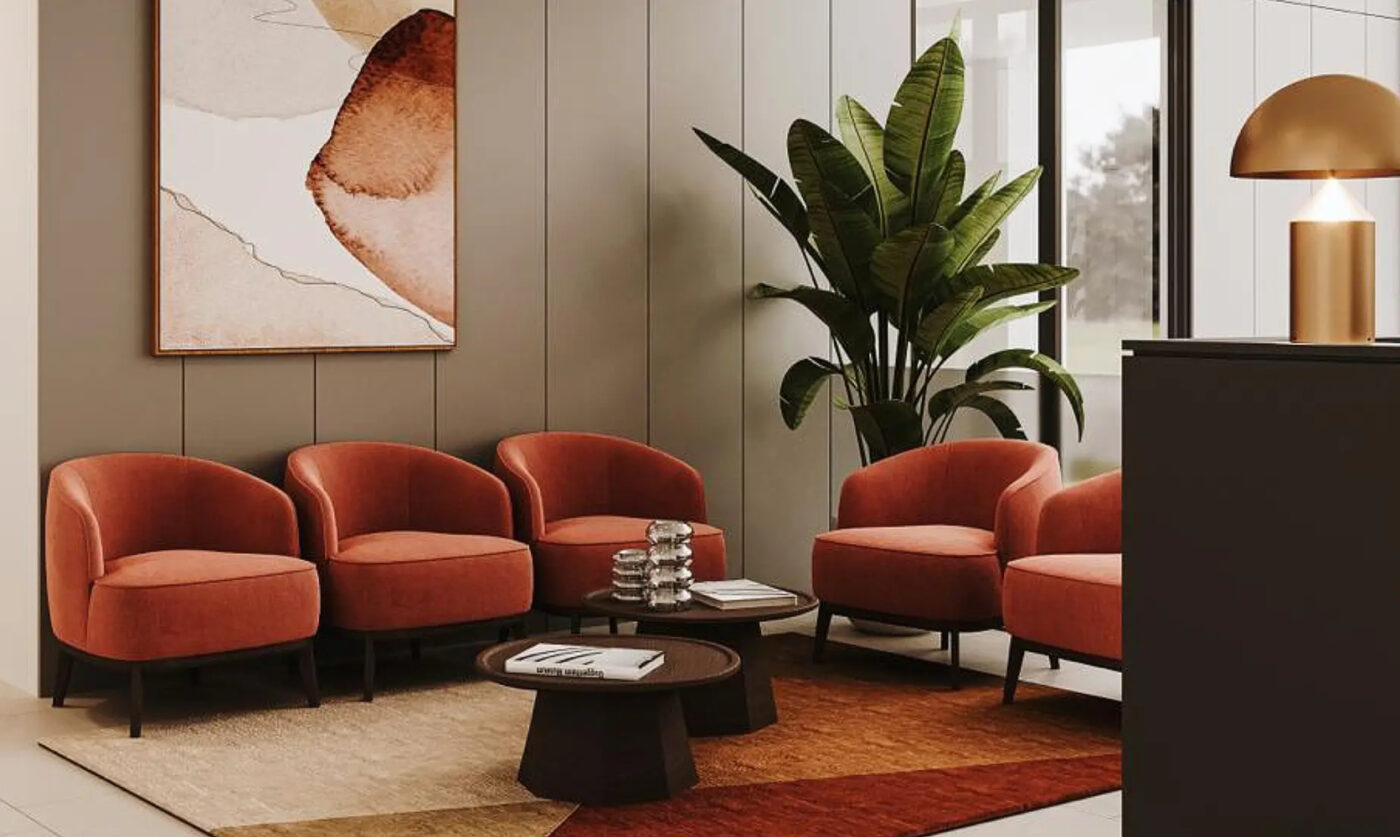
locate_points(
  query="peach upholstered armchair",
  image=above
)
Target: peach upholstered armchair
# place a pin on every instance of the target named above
(158, 561)
(410, 542)
(580, 497)
(1067, 600)
(922, 537)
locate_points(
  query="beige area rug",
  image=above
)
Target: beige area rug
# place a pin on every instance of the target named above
(868, 743)
(238, 752)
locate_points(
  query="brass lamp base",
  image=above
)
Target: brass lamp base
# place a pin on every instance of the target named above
(1333, 282)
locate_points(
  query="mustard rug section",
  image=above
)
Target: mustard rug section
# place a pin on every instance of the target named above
(526, 819)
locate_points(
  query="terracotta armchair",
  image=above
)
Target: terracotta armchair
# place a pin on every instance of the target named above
(580, 497)
(922, 537)
(157, 561)
(410, 542)
(1067, 601)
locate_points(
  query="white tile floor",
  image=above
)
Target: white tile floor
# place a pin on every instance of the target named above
(42, 795)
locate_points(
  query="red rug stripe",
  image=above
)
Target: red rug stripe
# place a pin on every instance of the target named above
(882, 805)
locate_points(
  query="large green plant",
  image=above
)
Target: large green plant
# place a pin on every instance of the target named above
(884, 218)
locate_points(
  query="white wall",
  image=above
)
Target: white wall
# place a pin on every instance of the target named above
(19, 329)
(1244, 51)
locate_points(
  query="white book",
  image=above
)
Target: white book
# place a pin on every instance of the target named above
(550, 659)
(740, 593)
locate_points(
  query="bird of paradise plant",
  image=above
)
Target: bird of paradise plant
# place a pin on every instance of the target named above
(894, 248)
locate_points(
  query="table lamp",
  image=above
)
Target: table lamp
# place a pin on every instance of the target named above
(1328, 127)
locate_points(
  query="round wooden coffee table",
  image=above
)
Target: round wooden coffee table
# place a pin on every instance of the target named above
(742, 703)
(611, 742)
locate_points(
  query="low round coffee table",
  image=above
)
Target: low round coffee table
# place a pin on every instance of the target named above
(744, 702)
(611, 742)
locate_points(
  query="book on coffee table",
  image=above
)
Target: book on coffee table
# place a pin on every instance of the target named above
(739, 593)
(550, 659)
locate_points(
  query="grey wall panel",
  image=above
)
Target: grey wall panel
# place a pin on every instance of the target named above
(597, 216)
(383, 397)
(493, 384)
(99, 388)
(249, 411)
(696, 253)
(787, 477)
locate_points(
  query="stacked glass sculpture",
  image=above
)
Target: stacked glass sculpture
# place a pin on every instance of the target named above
(668, 576)
(629, 575)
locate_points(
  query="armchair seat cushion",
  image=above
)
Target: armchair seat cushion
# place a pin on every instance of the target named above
(188, 602)
(1074, 602)
(574, 555)
(946, 574)
(398, 580)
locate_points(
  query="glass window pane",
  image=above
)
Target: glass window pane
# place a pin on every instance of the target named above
(1114, 205)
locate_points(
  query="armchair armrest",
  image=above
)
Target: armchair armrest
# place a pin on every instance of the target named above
(304, 483)
(1019, 508)
(237, 512)
(1086, 517)
(525, 489)
(450, 495)
(73, 554)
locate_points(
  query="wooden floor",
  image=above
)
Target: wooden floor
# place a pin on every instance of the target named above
(42, 795)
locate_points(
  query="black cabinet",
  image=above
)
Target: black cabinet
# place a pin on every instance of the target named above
(1261, 528)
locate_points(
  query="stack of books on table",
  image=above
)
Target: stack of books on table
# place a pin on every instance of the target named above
(588, 661)
(740, 593)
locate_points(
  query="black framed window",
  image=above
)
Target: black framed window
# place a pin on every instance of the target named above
(1098, 93)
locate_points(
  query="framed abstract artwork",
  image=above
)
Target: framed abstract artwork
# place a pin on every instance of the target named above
(305, 188)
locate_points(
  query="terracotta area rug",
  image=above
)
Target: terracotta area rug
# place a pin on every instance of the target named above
(869, 743)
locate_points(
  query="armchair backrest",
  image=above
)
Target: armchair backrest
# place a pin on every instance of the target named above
(346, 489)
(1085, 517)
(995, 484)
(556, 475)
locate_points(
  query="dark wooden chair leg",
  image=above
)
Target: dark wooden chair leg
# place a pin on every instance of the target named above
(62, 676)
(306, 661)
(612, 625)
(415, 649)
(943, 641)
(1013, 671)
(823, 627)
(368, 695)
(518, 629)
(194, 676)
(954, 679)
(1054, 662)
(576, 624)
(138, 699)
(503, 634)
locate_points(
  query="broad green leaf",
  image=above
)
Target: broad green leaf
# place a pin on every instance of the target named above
(804, 379)
(848, 324)
(949, 399)
(922, 123)
(972, 200)
(936, 325)
(834, 186)
(864, 137)
(888, 427)
(950, 187)
(979, 321)
(772, 191)
(1007, 424)
(984, 218)
(906, 266)
(981, 252)
(1002, 281)
(1035, 362)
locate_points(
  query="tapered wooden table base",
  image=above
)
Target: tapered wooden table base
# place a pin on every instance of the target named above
(606, 748)
(612, 742)
(744, 702)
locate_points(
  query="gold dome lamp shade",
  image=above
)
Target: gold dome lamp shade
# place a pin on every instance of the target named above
(1328, 127)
